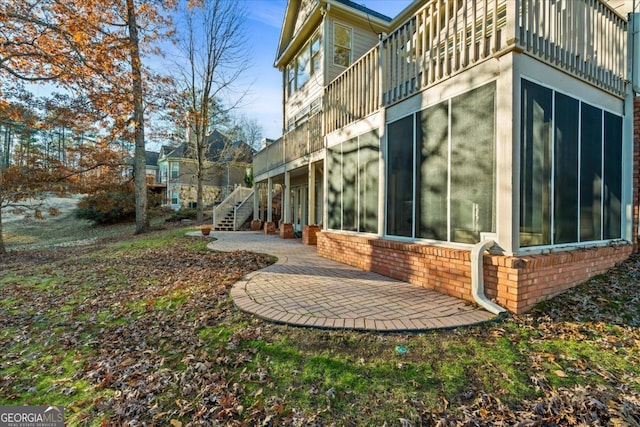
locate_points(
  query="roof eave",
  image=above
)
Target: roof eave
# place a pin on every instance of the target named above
(310, 25)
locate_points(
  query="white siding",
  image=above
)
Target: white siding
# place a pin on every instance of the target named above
(363, 39)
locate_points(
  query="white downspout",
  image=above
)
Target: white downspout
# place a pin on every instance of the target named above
(477, 277)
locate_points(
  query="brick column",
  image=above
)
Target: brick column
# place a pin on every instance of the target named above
(286, 231)
(310, 234)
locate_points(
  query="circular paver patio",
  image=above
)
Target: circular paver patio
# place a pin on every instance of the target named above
(304, 289)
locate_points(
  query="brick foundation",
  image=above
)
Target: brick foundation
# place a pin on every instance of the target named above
(286, 231)
(269, 227)
(516, 283)
(310, 234)
(256, 225)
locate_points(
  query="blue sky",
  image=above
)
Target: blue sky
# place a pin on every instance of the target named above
(264, 20)
(263, 101)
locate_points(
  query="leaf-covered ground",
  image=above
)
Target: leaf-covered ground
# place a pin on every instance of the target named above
(142, 332)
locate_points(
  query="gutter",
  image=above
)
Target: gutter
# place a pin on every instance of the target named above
(477, 277)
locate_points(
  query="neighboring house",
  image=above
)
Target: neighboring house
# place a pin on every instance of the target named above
(154, 185)
(152, 169)
(413, 141)
(226, 166)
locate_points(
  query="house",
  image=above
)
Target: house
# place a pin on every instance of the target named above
(226, 166)
(151, 166)
(415, 143)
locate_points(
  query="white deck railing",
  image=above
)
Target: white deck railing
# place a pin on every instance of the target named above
(355, 93)
(228, 205)
(440, 40)
(584, 38)
(243, 210)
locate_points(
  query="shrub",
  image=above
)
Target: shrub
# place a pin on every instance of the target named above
(182, 214)
(109, 207)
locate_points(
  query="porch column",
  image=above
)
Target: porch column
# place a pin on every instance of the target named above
(286, 226)
(269, 200)
(508, 156)
(256, 224)
(311, 229)
(311, 203)
(269, 226)
(256, 203)
(286, 199)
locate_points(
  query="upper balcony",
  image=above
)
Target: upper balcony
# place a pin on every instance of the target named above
(584, 38)
(305, 139)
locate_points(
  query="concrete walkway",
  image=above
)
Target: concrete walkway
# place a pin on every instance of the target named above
(304, 289)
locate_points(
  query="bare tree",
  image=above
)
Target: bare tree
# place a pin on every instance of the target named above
(247, 130)
(214, 46)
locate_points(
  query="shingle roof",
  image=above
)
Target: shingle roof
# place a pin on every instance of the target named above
(152, 158)
(220, 149)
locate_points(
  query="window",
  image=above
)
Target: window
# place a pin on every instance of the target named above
(590, 173)
(368, 172)
(291, 79)
(303, 68)
(535, 165)
(341, 45)
(400, 178)
(315, 54)
(454, 173)
(350, 183)
(163, 172)
(353, 184)
(334, 190)
(612, 194)
(570, 170)
(472, 159)
(565, 200)
(305, 65)
(175, 170)
(432, 172)
(174, 197)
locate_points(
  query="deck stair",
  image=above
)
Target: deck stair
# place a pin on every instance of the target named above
(233, 211)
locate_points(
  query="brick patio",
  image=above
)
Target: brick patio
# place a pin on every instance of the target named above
(303, 289)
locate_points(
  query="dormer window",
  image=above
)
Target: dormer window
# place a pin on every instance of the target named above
(305, 65)
(341, 45)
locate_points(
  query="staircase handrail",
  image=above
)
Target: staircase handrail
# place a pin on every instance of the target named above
(236, 208)
(227, 205)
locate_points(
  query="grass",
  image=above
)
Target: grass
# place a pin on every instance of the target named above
(142, 328)
(343, 375)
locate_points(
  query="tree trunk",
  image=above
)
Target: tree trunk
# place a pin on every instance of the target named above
(200, 184)
(139, 157)
(3, 250)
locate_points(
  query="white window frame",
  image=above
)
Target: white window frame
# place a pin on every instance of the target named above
(175, 170)
(579, 243)
(310, 66)
(335, 44)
